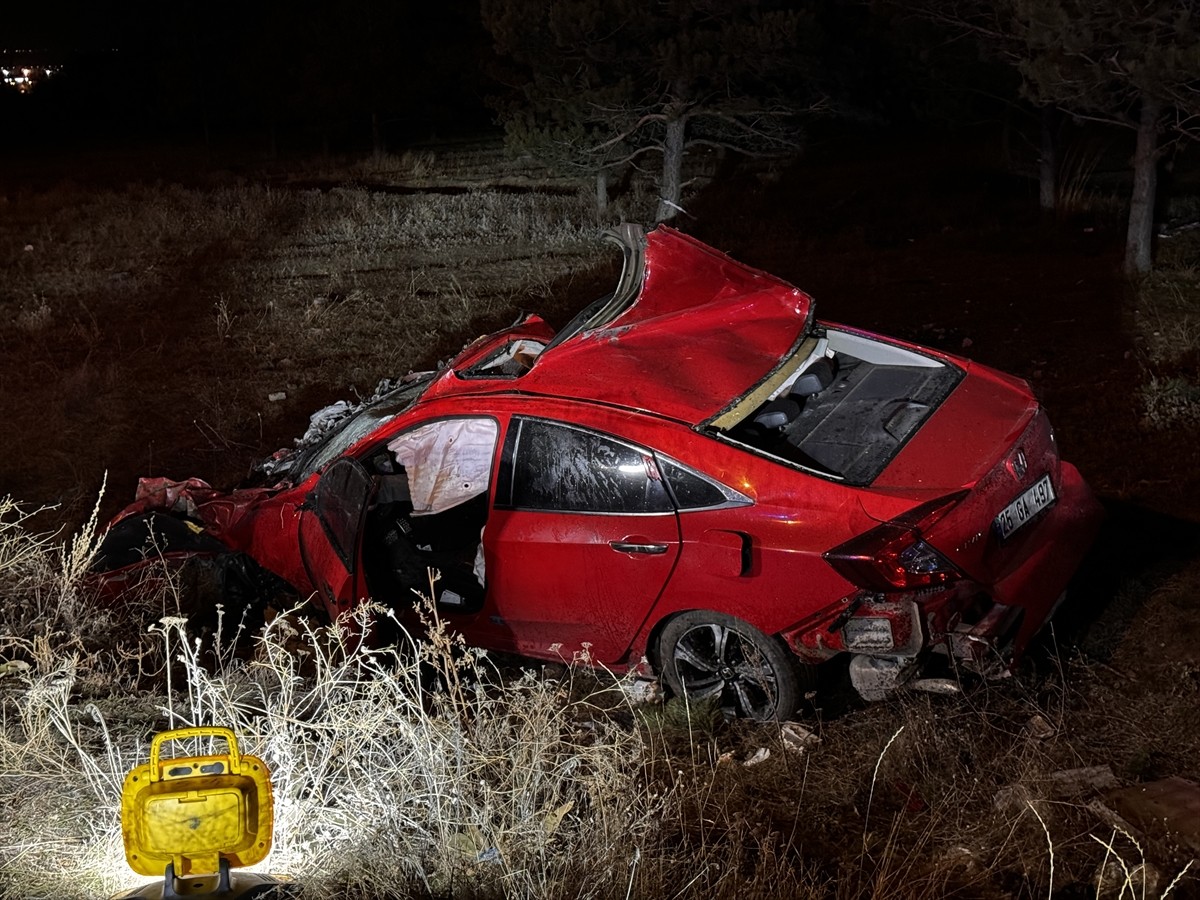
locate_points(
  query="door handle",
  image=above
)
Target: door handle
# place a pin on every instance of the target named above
(630, 547)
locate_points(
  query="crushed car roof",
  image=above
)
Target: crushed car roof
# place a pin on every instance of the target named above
(696, 330)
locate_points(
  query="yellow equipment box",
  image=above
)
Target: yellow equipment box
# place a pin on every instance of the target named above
(194, 811)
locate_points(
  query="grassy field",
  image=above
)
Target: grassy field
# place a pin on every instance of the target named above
(147, 327)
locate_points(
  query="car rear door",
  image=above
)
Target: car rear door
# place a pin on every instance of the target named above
(581, 540)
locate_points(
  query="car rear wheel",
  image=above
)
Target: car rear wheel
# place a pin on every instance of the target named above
(709, 656)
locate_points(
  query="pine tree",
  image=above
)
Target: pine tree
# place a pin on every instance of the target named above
(1130, 63)
(599, 84)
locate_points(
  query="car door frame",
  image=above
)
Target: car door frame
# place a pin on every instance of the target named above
(320, 545)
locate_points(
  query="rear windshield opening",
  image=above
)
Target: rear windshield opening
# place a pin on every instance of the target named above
(850, 407)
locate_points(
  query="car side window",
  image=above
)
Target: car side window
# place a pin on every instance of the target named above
(551, 466)
(690, 490)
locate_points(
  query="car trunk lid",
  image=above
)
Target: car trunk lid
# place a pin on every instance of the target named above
(965, 437)
(993, 440)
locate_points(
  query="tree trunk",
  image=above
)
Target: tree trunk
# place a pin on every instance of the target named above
(1139, 238)
(377, 145)
(601, 193)
(1047, 163)
(671, 185)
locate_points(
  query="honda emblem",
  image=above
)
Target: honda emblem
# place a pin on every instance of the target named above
(1020, 464)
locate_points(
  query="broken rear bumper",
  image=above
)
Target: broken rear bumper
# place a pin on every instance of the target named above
(1064, 536)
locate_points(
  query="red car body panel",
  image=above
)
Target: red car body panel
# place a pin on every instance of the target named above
(673, 346)
(700, 331)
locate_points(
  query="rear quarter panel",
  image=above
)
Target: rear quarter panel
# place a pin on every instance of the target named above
(792, 520)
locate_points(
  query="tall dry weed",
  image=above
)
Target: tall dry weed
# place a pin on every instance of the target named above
(416, 769)
(425, 770)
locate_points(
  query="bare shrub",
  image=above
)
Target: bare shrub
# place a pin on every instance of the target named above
(1075, 192)
(44, 583)
(23, 553)
(1167, 331)
(1171, 401)
(104, 242)
(1166, 319)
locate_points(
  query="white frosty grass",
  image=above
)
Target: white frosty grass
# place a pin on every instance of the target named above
(395, 771)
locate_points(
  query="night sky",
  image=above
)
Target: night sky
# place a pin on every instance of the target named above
(314, 74)
(63, 25)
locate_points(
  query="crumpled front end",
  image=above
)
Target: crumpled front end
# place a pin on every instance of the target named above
(170, 524)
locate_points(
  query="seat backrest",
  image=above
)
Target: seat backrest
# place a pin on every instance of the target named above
(817, 376)
(778, 413)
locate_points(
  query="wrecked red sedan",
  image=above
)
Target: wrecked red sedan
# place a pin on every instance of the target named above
(694, 478)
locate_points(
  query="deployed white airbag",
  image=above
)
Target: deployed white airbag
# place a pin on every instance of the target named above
(448, 462)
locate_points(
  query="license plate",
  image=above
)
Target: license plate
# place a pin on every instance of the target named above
(1029, 504)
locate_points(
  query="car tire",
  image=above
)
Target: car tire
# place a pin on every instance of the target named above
(711, 656)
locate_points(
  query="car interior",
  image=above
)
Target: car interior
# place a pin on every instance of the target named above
(849, 408)
(400, 548)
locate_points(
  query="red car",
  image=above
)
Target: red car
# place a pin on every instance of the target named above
(694, 478)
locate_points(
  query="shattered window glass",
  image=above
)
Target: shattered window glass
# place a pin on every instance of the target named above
(557, 467)
(332, 431)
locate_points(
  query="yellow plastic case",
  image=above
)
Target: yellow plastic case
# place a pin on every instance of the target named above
(194, 811)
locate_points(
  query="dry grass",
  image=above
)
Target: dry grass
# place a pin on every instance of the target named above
(385, 786)
(1167, 334)
(426, 771)
(1076, 191)
(269, 289)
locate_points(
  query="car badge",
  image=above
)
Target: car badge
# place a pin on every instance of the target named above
(1020, 464)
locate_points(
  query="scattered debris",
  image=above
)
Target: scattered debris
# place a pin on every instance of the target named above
(1039, 729)
(797, 738)
(14, 667)
(277, 396)
(1067, 784)
(761, 755)
(325, 420)
(1071, 783)
(945, 686)
(554, 818)
(1013, 799)
(1115, 878)
(642, 690)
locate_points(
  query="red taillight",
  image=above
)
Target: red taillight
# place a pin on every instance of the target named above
(894, 556)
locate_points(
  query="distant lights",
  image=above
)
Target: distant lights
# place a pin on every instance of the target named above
(26, 77)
